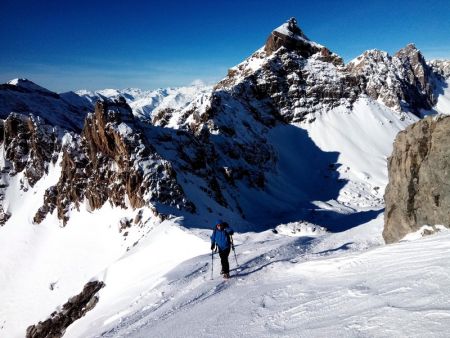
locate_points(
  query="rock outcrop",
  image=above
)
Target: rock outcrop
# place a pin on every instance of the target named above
(112, 161)
(402, 82)
(29, 147)
(441, 68)
(75, 308)
(418, 192)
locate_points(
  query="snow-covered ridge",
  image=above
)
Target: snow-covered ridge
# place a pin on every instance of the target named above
(25, 97)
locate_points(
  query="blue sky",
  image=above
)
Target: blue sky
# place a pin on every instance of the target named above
(69, 45)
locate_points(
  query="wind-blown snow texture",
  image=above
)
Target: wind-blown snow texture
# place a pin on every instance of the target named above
(291, 139)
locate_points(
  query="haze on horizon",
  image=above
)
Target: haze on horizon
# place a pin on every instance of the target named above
(69, 46)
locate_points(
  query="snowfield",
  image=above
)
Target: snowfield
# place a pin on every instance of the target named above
(290, 287)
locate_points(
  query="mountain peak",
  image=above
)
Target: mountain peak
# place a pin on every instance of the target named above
(27, 84)
(291, 29)
(410, 51)
(290, 37)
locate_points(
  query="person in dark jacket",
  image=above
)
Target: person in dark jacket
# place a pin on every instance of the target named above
(221, 240)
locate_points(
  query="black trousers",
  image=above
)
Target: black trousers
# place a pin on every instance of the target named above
(224, 260)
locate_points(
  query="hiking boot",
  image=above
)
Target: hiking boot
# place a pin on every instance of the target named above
(226, 275)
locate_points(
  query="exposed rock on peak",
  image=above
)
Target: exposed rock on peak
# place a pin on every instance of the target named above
(441, 68)
(419, 92)
(401, 82)
(292, 38)
(418, 192)
(291, 29)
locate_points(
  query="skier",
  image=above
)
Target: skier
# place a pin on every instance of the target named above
(221, 240)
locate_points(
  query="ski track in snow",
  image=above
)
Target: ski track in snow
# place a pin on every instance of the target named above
(293, 289)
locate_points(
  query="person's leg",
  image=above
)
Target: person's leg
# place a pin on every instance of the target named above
(224, 260)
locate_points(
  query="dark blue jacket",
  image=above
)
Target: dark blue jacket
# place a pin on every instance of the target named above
(222, 237)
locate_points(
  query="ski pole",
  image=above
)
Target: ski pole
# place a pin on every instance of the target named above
(234, 251)
(212, 263)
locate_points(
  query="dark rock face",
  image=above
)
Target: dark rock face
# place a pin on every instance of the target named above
(418, 192)
(29, 147)
(75, 308)
(292, 38)
(418, 88)
(111, 161)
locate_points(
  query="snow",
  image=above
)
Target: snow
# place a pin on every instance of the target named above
(165, 278)
(423, 232)
(35, 256)
(443, 100)
(124, 129)
(299, 229)
(363, 137)
(288, 286)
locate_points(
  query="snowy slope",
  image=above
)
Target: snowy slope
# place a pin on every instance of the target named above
(315, 286)
(138, 270)
(293, 287)
(443, 104)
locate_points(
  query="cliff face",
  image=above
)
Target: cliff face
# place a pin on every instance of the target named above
(112, 161)
(418, 192)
